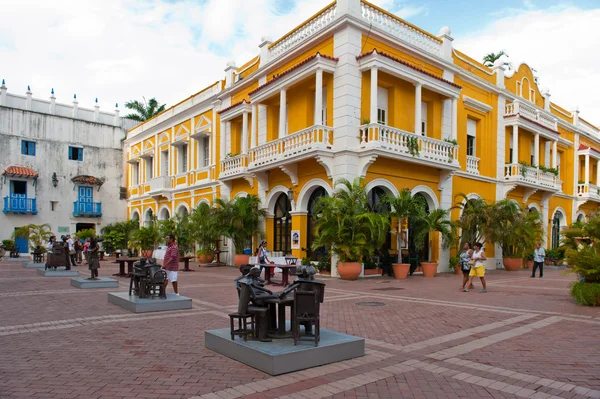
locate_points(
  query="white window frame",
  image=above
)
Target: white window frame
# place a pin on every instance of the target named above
(135, 174)
(206, 151)
(382, 105)
(164, 163)
(149, 165)
(182, 158)
(423, 118)
(472, 132)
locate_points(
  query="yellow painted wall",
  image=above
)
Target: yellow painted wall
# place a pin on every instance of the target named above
(474, 70)
(525, 75)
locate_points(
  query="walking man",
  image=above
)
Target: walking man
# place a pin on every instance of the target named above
(71, 249)
(538, 260)
(171, 262)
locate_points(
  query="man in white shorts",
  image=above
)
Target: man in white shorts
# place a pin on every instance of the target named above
(171, 262)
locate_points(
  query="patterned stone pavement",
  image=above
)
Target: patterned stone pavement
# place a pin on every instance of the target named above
(525, 338)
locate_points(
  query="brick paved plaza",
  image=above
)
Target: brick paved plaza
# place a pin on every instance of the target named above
(525, 338)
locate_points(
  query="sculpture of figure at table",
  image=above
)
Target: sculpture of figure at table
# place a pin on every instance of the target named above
(259, 293)
(244, 269)
(306, 282)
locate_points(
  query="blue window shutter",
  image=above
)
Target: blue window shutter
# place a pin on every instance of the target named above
(23, 150)
(80, 155)
(70, 152)
(33, 149)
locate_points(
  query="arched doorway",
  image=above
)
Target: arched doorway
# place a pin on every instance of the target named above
(135, 216)
(182, 211)
(148, 217)
(556, 222)
(314, 255)
(282, 225)
(416, 256)
(581, 217)
(377, 205)
(164, 214)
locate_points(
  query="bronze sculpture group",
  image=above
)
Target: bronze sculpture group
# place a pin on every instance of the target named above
(148, 279)
(258, 305)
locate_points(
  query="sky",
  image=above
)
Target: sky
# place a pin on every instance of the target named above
(120, 50)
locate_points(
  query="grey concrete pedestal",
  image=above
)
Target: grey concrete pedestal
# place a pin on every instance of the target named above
(19, 259)
(143, 305)
(33, 265)
(281, 356)
(57, 273)
(103, 282)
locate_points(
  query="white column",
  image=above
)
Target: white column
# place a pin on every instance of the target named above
(418, 116)
(213, 135)
(373, 109)
(75, 106)
(254, 129)
(3, 90)
(222, 138)
(117, 121)
(555, 154)
(282, 112)
(587, 168)
(244, 132)
(28, 101)
(454, 129)
(515, 157)
(96, 112)
(319, 97)
(536, 149)
(52, 103)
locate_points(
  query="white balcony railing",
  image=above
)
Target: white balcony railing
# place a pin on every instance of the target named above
(304, 31)
(528, 174)
(399, 28)
(519, 108)
(160, 184)
(588, 191)
(472, 165)
(234, 165)
(406, 143)
(316, 137)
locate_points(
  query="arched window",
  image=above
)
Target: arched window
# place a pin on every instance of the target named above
(282, 225)
(148, 217)
(314, 255)
(377, 205)
(422, 255)
(581, 217)
(556, 229)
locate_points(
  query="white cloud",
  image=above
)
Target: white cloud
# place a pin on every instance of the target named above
(559, 42)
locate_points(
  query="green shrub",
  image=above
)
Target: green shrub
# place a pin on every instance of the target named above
(587, 294)
(305, 261)
(8, 244)
(324, 263)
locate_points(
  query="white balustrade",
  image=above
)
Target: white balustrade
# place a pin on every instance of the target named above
(316, 137)
(588, 191)
(400, 29)
(234, 165)
(528, 174)
(407, 143)
(160, 183)
(519, 108)
(472, 165)
(308, 29)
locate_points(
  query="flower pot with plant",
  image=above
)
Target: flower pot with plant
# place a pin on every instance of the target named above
(436, 221)
(37, 235)
(371, 267)
(146, 239)
(348, 226)
(324, 265)
(529, 261)
(454, 265)
(205, 231)
(403, 207)
(240, 220)
(118, 235)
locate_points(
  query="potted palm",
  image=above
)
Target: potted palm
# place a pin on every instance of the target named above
(347, 226)
(146, 238)
(36, 234)
(402, 207)
(436, 221)
(514, 230)
(240, 220)
(205, 231)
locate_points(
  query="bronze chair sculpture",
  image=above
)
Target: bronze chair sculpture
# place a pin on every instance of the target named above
(148, 279)
(59, 257)
(242, 315)
(306, 311)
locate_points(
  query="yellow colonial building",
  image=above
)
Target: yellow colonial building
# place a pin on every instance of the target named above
(356, 91)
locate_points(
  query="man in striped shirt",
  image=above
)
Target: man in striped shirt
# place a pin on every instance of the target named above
(171, 262)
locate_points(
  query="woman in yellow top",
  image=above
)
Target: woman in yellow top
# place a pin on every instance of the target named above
(478, 267)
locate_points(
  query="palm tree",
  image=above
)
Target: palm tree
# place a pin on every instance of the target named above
(475, 215)
(145, 111)
(438, 220)
(347, 225)
(490, 58)
(240, 220)
(404, 206)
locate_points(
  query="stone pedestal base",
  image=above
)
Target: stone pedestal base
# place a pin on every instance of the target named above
(33, 265)
(57, 273)
(82, 282)
(281, 356)
(137, 305)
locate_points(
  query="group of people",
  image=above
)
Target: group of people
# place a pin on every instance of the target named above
(73, 249)
(472, 265)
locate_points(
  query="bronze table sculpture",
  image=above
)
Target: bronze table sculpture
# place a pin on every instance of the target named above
(148, 279)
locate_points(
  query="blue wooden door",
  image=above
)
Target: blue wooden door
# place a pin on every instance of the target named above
(86, 199)
(22, 245)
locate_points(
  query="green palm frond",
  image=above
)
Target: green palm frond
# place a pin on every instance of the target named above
(144, 111)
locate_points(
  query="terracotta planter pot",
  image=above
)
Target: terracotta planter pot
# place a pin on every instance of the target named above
(457, 269)
(373, 272)
(429, 269)
(205, 258)
(241, 259)
(529, 264)
(147, 253)
(349, 270)
(400, 270)
(512, 264)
